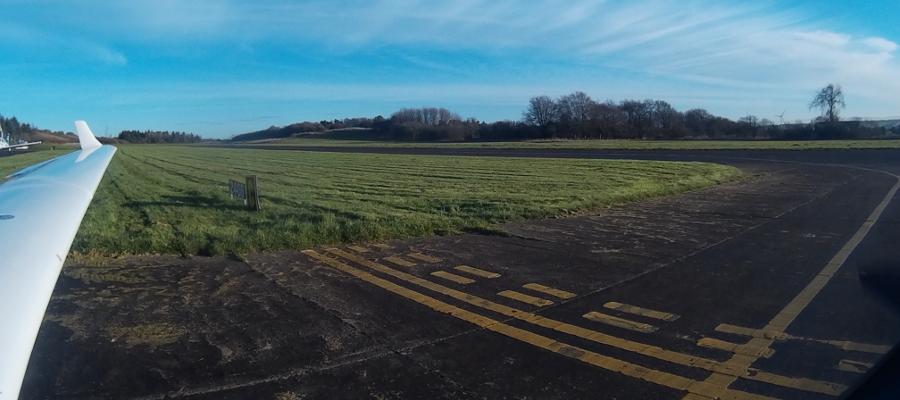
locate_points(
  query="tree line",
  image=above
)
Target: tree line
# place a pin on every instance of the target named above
(11, 126)
(578, 116)
(158, 137)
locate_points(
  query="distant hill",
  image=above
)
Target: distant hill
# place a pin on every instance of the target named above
(274, 132)
(27, 132)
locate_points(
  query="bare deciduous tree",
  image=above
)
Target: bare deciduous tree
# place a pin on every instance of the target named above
(541, 112)
(829, 100)
(575, 111)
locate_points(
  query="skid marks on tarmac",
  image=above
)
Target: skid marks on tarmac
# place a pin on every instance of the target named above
(415, 282)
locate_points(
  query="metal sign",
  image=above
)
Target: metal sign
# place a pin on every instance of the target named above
(248, 191)
(237, 189)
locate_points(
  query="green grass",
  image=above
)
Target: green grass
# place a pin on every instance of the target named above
(609, 144)
(14, 163)
(173, 199)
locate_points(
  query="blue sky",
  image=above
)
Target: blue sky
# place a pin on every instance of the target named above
(219, 68)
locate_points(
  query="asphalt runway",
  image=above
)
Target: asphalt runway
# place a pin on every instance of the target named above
(770, 287)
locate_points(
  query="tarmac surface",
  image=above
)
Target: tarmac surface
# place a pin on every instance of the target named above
(762, 288)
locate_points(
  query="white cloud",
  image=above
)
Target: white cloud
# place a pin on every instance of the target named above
(710, 40)
(880, 44)
(758, 49)
(823, 38)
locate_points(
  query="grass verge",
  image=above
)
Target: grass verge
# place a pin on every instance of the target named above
(174, 199)
(14, 163)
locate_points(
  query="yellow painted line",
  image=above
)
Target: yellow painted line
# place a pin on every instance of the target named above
(644, 312)
(399, 261)
(476, 271)
(382, 246)
(862, 347)
(453, 277)
(423, 257)
(843, 344)
(786, 316)
(757, 333)
(620, 322)
(535, 301)
(584, 333)
(809, 385)
(854, 366)
(549, 290)
(583, 355)
(748, 349)
(358, 249)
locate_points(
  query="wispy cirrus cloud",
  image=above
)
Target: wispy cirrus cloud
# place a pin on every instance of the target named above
(714, 40)
(710, 41)
(731, 57)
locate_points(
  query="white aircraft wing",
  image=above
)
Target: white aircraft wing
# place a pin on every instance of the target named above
(41, 208)
(8, 146)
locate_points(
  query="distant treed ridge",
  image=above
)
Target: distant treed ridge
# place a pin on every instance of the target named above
(158, 137)
(577, 116)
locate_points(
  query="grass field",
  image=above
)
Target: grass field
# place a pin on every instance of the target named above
(173, 199)
(610, 144)
(14, 163)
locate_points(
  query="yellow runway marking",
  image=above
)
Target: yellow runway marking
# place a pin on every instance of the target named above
(477, 272)
(358, 249)
(584, 333)
(452, 277)
(862, 347)
(854, 366)
(748, 349)
(790, 312)
(843, 344)
(423, 257)
(645, 312)
(757, 333)
(586, 356)
(535, 301)
(619, 322)
(399, 261)
(562, 294)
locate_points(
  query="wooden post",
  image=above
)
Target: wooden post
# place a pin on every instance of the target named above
(253, 193)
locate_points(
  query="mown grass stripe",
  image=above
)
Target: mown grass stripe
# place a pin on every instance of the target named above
(173, 199)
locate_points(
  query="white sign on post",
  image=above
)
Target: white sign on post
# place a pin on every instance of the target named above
(237, 189)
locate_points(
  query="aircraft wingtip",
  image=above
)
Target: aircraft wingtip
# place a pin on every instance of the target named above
(85, 137)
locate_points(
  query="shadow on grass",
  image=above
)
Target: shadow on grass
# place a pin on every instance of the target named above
(191, 201)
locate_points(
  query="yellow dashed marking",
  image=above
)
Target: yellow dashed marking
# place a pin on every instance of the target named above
(853, 346)
(645, 312)
(808, 385)
(562, 294)
(423, 257)
(757, 333)
(854, 366)
(598, 337)
(453, 277)
(476, 271)
(747, 349)
(382, 246)
(399, 261)
(843, 344)
(358, 249)
(588, 357)
(535, 301)
(619, 322)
